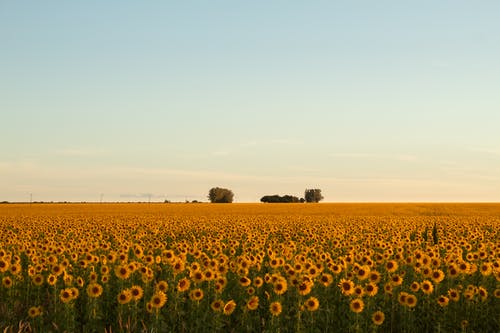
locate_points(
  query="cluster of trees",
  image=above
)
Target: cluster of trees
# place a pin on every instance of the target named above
(224, 195)
(278, 198)
(220, 195)
(313, 195)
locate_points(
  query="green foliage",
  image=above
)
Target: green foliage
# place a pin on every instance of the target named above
(220, 195)
(280, 199)
(313, 195)
(435, 238)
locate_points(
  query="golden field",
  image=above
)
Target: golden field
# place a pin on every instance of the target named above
(250, 267)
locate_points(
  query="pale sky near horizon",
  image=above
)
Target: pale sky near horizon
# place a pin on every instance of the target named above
(367, 100)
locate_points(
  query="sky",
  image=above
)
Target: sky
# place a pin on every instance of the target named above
(135, 101)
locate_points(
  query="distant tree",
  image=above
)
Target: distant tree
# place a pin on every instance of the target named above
(220, 195)
(313, 195)
(279, 199)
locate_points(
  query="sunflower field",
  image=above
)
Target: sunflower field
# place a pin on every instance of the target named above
(250, 268)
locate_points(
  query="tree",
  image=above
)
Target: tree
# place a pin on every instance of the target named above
(280, 199)
(313, 195)
(220, 195)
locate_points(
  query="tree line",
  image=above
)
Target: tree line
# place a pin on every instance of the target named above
(224, 195)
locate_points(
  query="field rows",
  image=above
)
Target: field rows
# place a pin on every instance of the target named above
(204, 268)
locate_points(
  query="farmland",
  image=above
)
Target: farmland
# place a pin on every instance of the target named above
(250, 267)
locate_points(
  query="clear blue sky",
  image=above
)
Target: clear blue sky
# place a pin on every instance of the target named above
(367, 100)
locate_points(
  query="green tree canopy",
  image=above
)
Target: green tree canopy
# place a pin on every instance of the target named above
(220, 195)
(313, 195)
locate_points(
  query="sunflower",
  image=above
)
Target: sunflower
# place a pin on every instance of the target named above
(244, 281)
(34, 311)
(197, 276)
(196, 294)
(275, 308)
(222, 280)
(93, 277)
(122, 272)
(280, 287)
(454, 295)
(391, 266)
(469, 295)
(218, 287)
(336, 269)
(402, 298)
(312, 304)
(68, 279)
(464, 267)
(242, 271)
(15, 269)
(274, 263)
(4, 265)
(158, 300)
(371, 289)
(359, 291)
(137, 292)
(363, 272)
(396, 280)
(52, 279)
(443, 301)
(37, 279)
(357, 305)
(437, 276)
(253, 303)
(312, 271)
(427, 287)
(304, 287)
(326, 279)
(94, 290)
(178, 267)
(378, 318)
(374, 276)
(258, 282)
(124, 296)
(133, 266)
(250, 290)
(57, 269)
(483, 293)
(388, 288)
(346, 286)
(149, 260)
(161, 285)
(229, 307)
(7, 282)
(217, 305)
(410, 300)
(104, 270)
(183, 285)
(486, 269)
(148, 276)
(66, 295)
(415, 286)
(209, 275)
(453, 271)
